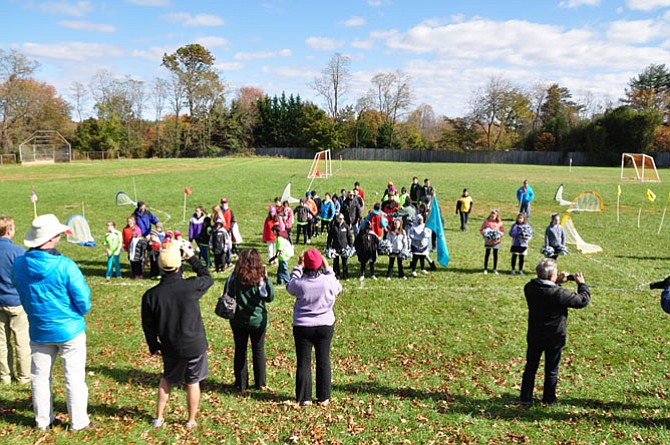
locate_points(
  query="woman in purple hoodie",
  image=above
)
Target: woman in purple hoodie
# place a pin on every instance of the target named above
(315, 287)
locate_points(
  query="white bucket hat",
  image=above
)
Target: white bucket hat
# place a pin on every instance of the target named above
(42, 229)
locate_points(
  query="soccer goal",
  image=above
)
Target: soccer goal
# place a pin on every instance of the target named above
(45, 146)
(638, 167)
(322, 165)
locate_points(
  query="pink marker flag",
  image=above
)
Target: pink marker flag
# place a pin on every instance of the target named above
(33, 197)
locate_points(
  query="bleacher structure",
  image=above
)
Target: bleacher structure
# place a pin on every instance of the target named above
(45, 146)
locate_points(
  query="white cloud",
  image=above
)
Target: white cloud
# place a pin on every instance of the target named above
(153, 54)
(264, 55)
(378, 3)
(229, 66)
(291, 72)
(636, 31)
(362, 44)
(323, 43)
(72, 51)
(79, 9)
(521, 43)
(87, 26)
(150, 2)
(187, 19)
(213, 42)
(647, 5)
(354, 21)
(570, 4)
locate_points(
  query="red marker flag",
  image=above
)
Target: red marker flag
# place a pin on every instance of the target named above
(187, 191)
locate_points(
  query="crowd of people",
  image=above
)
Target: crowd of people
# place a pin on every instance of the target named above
(40, 286)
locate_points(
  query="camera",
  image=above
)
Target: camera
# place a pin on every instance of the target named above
(660, 284)
(570, 277)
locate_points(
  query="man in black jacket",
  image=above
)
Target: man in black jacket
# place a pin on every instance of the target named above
(173, 327)
(352, 211)
(548, 305)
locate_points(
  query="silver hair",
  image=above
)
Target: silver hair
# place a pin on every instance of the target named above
(546, 268)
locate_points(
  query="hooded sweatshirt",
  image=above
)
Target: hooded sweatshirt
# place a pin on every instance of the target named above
(53, 293)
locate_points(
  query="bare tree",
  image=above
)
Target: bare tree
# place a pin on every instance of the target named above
(334, 82)
(391, 94)
(78, 94)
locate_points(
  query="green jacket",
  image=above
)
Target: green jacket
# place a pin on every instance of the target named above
(251, 311)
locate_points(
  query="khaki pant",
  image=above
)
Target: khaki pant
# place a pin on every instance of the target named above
(14, 345)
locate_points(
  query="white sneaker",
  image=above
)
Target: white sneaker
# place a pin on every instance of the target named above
(158, 423)
(404, 277)
(374, 278)
(521, 272)
(514, 272)
(424, 271)
(495, 271)
(485, 271)
(362, 277)
(414, 273)
(191, 425)
(388, 278)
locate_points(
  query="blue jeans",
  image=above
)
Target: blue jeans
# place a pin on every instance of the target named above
(282, 273)
(113, 264)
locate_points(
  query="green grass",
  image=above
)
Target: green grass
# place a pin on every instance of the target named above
(436, 359)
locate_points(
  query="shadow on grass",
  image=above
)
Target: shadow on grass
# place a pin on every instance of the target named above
(647, 258)
(463, 270)
(127, 375)
(229, 389)
(505, 406)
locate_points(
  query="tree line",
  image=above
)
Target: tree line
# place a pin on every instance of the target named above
(196, 114)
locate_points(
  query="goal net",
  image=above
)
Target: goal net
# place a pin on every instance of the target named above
(45, 146)
(321, 165)
(638, 167)
(587, 202)
(572, 237)
(558, 197)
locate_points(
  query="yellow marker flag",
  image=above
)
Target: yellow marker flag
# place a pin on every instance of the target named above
(668, 197)
(650, 195)
(618, 191)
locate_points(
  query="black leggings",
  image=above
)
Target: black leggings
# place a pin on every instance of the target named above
(495, 258)
(521, 260)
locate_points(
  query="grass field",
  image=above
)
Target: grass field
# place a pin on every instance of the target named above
(434, 359)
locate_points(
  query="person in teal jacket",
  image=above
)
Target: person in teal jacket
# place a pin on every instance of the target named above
(55, 296)
(525, 196)
(251, 287)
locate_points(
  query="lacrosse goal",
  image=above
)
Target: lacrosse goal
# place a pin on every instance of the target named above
(638, 167)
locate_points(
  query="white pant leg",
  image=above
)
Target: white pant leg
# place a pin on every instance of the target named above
(271, 249)
(73, 356)
(43, 357)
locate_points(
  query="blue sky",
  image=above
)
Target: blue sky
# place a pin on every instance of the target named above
(450, 49)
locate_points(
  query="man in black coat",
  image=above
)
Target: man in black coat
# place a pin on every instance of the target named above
(352, 211)
(173, 327)
(548, 305)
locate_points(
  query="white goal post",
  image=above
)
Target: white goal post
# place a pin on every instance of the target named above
(322, 166)
(45, 146)
(638, 167)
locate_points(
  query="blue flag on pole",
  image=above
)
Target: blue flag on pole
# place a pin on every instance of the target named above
(434, 223)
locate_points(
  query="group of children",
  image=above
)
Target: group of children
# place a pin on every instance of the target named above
(394, 227)
(492, 231)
